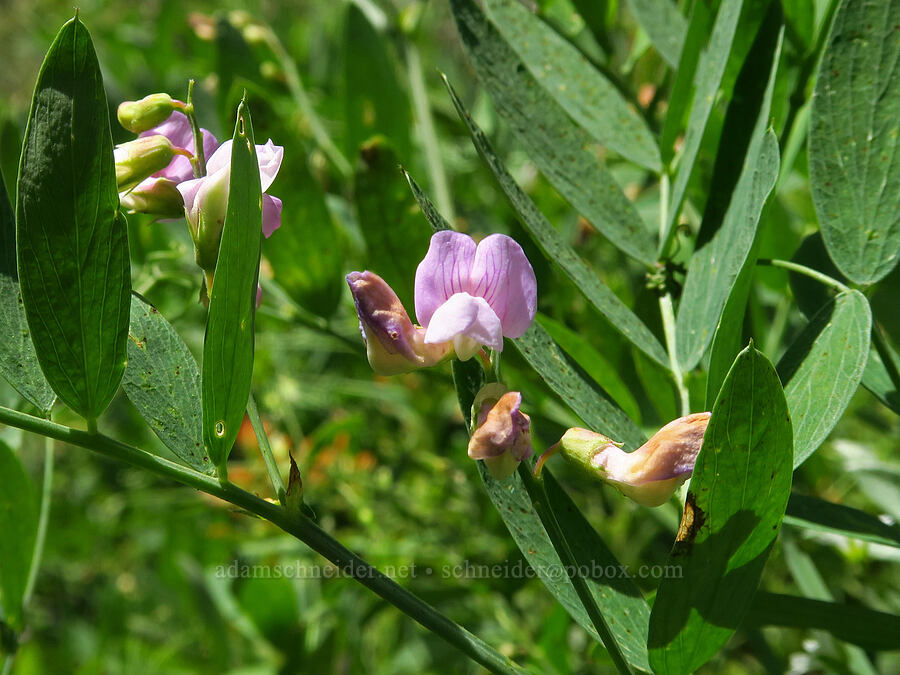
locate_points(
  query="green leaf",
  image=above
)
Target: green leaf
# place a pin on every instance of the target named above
(560, 148)
(851, 623)
(162, 380)
(558, 251)
(306, 252)
(698, 29)
(72, 245)
(389, 221)
(728, 338)
(582, 91)
(823, 367)
(817, 514)
(726, 242)
(228, 344)
(594, 364)
(624, 609)
(583, 397)
(18, 523)
(710, 70)
(854, 166)
(715, 268)
(664, 24)
(735, 504)
(375, 103)
(18, 362)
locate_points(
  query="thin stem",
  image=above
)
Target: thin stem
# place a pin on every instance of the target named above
(265, 449)
(43, 518)
(429, 136)
(807, 271)
(538, 495)
(668, 321)
(199, 161)
(316, 128)
(294, 524)
(885, 352)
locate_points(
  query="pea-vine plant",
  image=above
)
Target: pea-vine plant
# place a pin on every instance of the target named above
(695, 398)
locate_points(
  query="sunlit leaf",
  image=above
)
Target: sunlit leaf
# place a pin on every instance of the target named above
(229, 341)
(560, 148)
(589, 98)
(854, 166)
(665, 25)
(823, 367)
(735, 504)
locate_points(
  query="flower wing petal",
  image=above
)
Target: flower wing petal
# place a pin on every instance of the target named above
(271, 216)
(444, 270)
(502, 275)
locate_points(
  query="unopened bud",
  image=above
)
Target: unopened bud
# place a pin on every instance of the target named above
(156, 196)
(141, 158)
(150, 111)
(502, 437)
(393, 344)
(649, 475)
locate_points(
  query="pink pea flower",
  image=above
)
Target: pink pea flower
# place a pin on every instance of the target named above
(473, 295)
(649, 475)
(206, 199)
(502, 436)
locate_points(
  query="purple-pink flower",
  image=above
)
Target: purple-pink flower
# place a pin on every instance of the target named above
(473, 295)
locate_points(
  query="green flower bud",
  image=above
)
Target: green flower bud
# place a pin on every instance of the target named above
(150, 111)
(141, 158)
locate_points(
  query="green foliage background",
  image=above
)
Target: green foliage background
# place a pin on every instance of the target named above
(129, 583)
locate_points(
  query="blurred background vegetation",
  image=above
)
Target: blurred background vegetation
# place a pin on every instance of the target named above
(351, 90)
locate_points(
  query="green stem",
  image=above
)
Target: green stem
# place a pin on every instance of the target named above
(294, 524)
(668, 321)
(538, 495)
(265, 449)
(199, 161)
(428, 134)
(885, 352)
(43, 518)
(807, 271)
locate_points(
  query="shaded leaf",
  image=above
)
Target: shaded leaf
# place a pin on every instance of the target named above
(18, 523)
(558, 251)
(394, 234)
(854, 167)
(823, 367)
(72, 245)
(374, 101)
(162, 380)
(817, 514)
(857, 625)
(18, 361)
(229, 340)
(664, 24)
(735, 504)
(582, 91)
(697, 31)
(306, 252)
(561, 149)
(877, 378)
